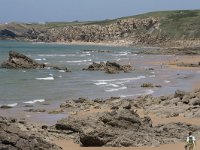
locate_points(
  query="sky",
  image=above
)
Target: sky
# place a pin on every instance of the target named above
(84, 10)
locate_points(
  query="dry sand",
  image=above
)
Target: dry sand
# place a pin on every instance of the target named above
(70, 145)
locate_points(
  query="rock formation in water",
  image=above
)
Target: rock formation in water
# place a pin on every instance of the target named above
(21, 61)
(109, 67)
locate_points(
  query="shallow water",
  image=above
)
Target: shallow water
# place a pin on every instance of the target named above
(18, 87)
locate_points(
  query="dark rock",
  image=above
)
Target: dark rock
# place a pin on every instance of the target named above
(109, 67)
(80, 100)
(7, 33)
(44, 127)
(124, 128)
(13, 138)
(150, 85)
(35, 110)
(5, 107)
(20, 61)
(179, 94)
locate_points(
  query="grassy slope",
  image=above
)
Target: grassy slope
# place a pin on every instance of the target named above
(175, 24)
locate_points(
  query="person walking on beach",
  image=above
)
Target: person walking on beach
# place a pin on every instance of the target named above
(191, 142)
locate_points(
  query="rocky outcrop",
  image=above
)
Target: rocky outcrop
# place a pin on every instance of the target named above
(109, 67)
(5, 33)
(20, 61)
(131, 30)
(181, 103)
(124, 127)
(13, 138)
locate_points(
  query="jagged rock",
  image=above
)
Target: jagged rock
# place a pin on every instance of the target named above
(13, 138)
(109, 67)
(20, 61)
(7, 33)
(124, 128)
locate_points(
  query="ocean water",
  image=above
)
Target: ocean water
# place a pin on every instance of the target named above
(20, 87)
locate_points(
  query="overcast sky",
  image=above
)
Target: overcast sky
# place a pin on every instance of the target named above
(82, 10)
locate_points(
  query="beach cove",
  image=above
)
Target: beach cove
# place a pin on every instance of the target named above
(45, 90)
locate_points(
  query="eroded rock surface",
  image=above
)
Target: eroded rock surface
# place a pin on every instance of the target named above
(13, 138)
(20, 61)
(124, 127)
(109, 67)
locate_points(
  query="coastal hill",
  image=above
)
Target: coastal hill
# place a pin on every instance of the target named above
(162, 28)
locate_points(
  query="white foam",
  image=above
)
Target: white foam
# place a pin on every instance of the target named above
(118, 59)
(38, 59)
(83, 55)
(147, 92)
(166, 81)
(51, 74)
(52, 55)
(123, 79)
(34, 101)
(78, 61)
(117, 89)
(121, 54)
(114, 85)
(12, 105)
(60, 76)
(101, 83)
(23, 71)
(152, 76)
(46, 78)
(61, 70)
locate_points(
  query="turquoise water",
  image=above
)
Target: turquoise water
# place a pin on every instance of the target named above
(19, 86)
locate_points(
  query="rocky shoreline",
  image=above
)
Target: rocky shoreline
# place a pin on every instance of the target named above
(116, 123)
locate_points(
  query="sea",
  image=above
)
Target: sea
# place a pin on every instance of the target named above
(21, 87)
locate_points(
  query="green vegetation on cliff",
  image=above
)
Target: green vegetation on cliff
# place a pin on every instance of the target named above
(149, 28)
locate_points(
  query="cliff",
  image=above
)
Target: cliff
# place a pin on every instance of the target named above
(156, 28)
